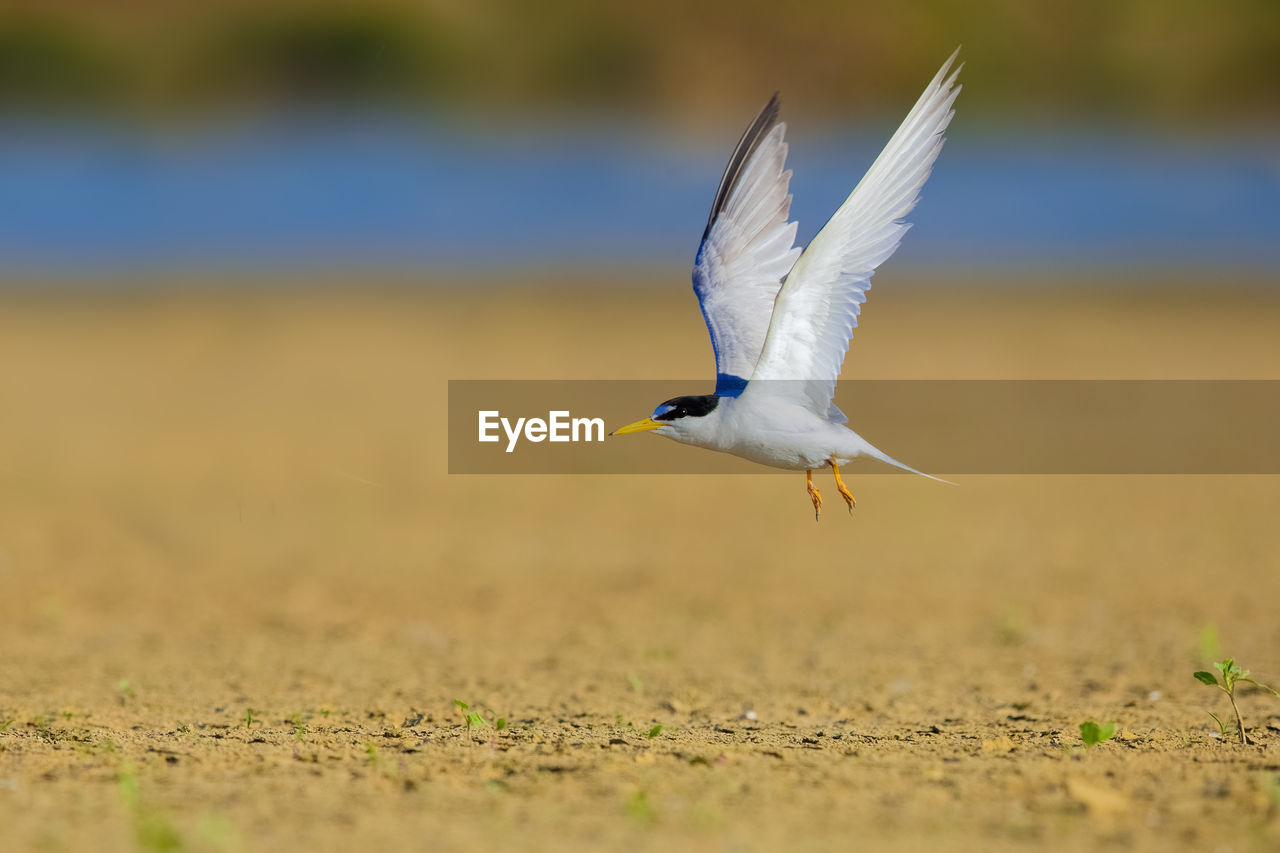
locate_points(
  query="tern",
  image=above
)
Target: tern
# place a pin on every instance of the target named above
(780, 318)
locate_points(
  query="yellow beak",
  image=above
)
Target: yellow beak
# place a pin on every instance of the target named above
(638, 426)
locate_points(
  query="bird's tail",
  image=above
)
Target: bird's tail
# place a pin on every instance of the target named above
(877, 453)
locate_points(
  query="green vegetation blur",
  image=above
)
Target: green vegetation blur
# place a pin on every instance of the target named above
(1174, 61)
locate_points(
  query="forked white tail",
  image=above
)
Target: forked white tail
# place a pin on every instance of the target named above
(877, 453)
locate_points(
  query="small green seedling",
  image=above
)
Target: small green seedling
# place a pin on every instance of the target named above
(379, 763)
(248, 718)
(1210, 646)
(216, 832)
(152, 829)
(1232, 674)
(1093, 733)
(1225, 730)
(1271, 786)
(654, 732)
(474, 720)
(639, 809)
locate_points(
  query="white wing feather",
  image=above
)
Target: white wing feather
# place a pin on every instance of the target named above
(817, 308)
(747, 250)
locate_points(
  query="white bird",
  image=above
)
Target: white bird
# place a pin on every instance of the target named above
(780, 318)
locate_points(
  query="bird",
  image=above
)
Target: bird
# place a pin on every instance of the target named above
(781, 318)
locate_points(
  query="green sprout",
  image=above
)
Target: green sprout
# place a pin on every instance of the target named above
(639, 809)
(1093, 733)
(379, 763)
(248, 718)
(474, 720)
(654, 732)
(152, 828)
(1232, 674)
(1271, 785)
(1210, 646)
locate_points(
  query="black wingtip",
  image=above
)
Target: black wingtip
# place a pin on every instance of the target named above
(765, 121)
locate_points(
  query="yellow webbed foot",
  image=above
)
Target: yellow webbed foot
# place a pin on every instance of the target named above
(814, 495)
(844, 492)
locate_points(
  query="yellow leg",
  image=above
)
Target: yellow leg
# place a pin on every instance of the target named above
(844, 492)
(813, 495)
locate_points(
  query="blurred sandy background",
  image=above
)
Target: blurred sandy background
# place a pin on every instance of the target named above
(240, 592)
(238, 579)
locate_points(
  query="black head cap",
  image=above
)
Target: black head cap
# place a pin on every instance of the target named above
(686, 407)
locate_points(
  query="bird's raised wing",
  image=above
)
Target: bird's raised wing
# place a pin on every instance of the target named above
(817, 309)
(747, 249)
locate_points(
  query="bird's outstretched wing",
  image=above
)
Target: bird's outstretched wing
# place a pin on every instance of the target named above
(817, 309)
(746, 251)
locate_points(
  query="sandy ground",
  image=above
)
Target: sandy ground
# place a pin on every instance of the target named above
(239, 594)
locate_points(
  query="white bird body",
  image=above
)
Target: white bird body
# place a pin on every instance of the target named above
(780, 319)
(776, 432)
(784, 435)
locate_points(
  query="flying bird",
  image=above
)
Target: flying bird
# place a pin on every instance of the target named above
(780, 318)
